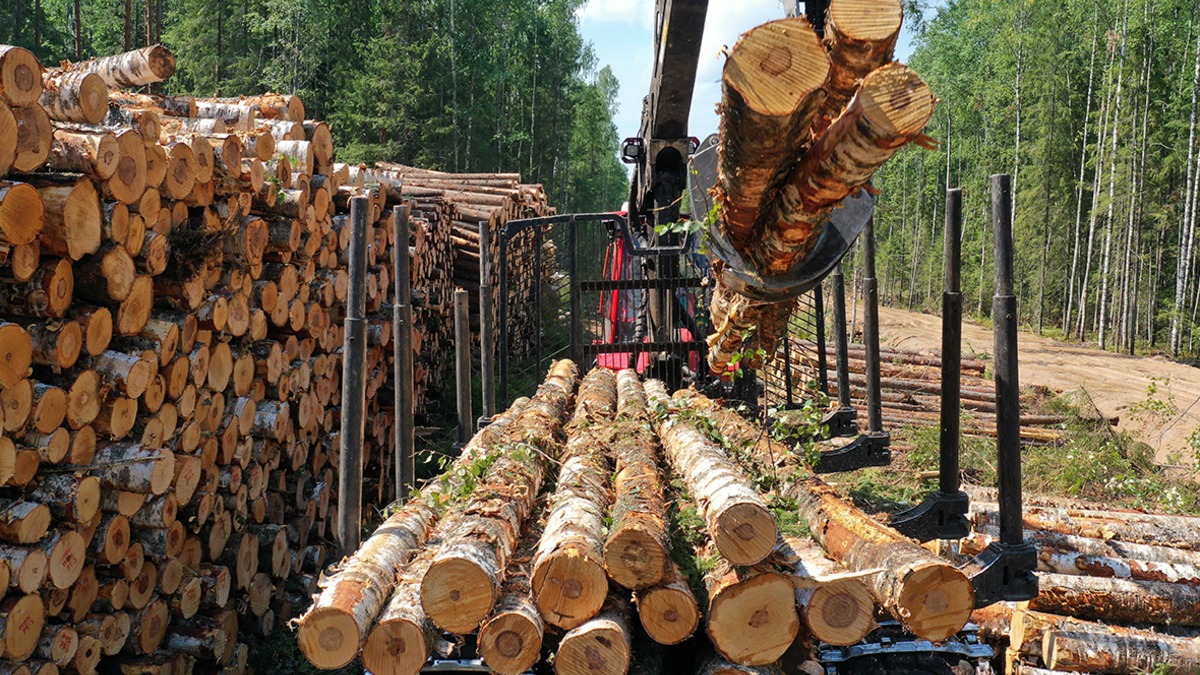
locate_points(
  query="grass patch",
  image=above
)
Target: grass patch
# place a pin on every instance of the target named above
(1096, 463)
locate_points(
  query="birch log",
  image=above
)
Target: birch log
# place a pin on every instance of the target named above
(569, 582)
(740, 524)
(461, 586)
(637, 551)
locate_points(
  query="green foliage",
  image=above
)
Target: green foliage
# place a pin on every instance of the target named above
(445, 84)
(1093, 123)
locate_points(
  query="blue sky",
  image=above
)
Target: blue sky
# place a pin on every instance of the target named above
(621, 32)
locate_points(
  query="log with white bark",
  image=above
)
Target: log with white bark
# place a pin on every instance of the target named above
(931, 597)
(600, 646)
(332, 632)
(740, 524)
(637, 550)
(1118, 600)
(75, 97)
(834, 605)
(569, 582)
(1125, 526)
(131, 69)
(1061, 555)
(1119, 654)
(403, 636)
(461, 586)
(510, 641)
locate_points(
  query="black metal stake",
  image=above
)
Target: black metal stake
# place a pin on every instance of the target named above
(871, 332)
(462, 363)
(402, 319)
(842, 421)
(942, 515)
(487, 331)
(354, 384)
(822, 359)
(871, 448)
(952, 300)
(1004, 570)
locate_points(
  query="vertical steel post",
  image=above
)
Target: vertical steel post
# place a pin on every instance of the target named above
(502, 361)
(573, 271)
(838, 288)
(462, 362)
(822, 359)
(354, 383)
(1008, 388)
(952, 301)
(487, 330)
(871, 331)
(403, 324)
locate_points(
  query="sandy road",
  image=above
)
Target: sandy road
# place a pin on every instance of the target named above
(1114, 381)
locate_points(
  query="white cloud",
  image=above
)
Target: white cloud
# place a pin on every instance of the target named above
(636, 12)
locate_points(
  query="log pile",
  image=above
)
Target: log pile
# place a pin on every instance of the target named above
(911, 390)
(174, 277)
(465, 203)
(589, 571)
(804, 124)
(1118, 591)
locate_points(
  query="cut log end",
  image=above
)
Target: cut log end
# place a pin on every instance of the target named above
(745, 533)
(867, 20)
(599, 648)
(668, 613)
(896, 99)
(634, 559)
(395, 648)
(329, 637)
(457, 595)
(570, 589)
(511, 643)
(775, 65)
(938, 599)
(839, 613)
(754, 621)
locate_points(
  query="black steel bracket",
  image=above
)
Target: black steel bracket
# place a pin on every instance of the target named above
(1003, 573)
(840, 422)
(844, 225)
(940, 516)
(869, 449)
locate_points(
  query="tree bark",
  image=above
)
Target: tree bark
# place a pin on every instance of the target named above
(131, 69)
(1118, 600)
(636, 554)
(461, 586)
(1119, 654)
(834, 605)
(569, 582)
(771, 90)
(75, 97)
(740, 524)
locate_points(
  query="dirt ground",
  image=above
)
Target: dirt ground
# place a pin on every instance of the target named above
(1115, 382)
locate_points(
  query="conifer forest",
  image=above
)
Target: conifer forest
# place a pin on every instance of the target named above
(456, 85)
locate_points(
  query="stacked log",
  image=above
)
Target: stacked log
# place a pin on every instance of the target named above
(174, 283)
(910, 383)
(471, 201)
(1114, 597)
(804, 124)
(491, 554)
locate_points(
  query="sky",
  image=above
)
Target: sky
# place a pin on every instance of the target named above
(622, 35)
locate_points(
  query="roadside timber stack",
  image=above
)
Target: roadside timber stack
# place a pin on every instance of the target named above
(173, 277)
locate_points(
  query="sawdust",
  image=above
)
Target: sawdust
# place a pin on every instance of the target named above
(1116, 383)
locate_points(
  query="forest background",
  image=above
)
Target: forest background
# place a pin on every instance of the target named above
(1091, 106)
